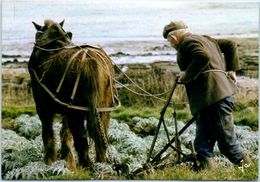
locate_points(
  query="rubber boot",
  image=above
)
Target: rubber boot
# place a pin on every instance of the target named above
(246, 161)
(209, 164)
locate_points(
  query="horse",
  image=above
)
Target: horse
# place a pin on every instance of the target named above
(76, 82)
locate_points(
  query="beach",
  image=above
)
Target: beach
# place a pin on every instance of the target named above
(133, 52)
(149, 63)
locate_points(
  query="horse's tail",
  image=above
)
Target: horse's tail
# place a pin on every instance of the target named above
(93, 74)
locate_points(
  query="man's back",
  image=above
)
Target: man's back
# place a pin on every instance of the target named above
(205, 66)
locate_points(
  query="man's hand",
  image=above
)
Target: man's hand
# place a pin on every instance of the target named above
(182, 76)
(233, 76)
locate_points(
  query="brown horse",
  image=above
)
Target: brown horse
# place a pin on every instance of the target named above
(76, 82)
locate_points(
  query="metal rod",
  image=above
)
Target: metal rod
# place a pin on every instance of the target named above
(177, 142)
(178, 150)
(161, 120)
(166, 131)
(195, 165)
(157, 157)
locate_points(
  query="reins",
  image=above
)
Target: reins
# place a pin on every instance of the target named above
(70, 105)
(146, 93)
(56, 49)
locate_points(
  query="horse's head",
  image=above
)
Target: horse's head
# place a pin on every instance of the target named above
(51, 35)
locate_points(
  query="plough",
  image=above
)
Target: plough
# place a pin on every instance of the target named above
(152, 162)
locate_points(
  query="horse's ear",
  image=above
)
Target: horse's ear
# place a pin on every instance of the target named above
(37, 27)
(70, 35)
(61, 23)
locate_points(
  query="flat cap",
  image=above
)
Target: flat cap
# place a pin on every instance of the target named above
(173, 26)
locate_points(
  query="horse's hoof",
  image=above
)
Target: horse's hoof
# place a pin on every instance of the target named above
(50, 160)
(87, 165)
(72, 165)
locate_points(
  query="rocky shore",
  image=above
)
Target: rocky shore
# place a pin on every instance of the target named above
(150, 75)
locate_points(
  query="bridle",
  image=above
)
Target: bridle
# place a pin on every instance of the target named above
(116, 101)
(145, 93)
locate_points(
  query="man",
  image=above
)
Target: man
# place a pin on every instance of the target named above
(208, 71)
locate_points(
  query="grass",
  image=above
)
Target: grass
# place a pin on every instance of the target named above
(79, 174)
(10, 112)
(9, 76)
(17, 102)
(177, 172)
(13, 111)
(222, 173)
(126, 113)
(247, 116)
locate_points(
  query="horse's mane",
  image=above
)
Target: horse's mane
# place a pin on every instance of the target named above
(48, 22)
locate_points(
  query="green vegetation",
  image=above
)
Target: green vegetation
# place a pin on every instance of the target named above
(13, 111)
(178, 173)
(22, 154)
(134, 122)
(222, 173)
(127, 113)
(247, 116)
(79, 174)
(10, 112)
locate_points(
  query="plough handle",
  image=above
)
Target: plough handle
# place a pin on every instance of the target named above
(158, 156)
(161, 119)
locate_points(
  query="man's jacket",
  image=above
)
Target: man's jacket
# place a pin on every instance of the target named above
(205, 61)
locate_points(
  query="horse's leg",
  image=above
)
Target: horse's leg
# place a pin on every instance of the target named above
(96, 132)
(48, 137)
(105, 117)
(76, 126)
(66, 144)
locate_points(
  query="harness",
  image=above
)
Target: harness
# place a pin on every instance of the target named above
(215, 70)
(116, 102)
(227, 73)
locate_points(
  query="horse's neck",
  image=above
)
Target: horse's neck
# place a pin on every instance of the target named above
(60, 44)
(38, 57)
(43, 54)
(57, 45)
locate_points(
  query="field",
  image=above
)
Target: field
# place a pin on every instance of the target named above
(131, 132)
(131, 129)
(130, 143)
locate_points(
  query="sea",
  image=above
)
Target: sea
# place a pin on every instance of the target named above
(129, 30)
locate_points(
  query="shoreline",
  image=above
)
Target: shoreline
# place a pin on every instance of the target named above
(155, 76)
(147, 52)
(16, 49)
